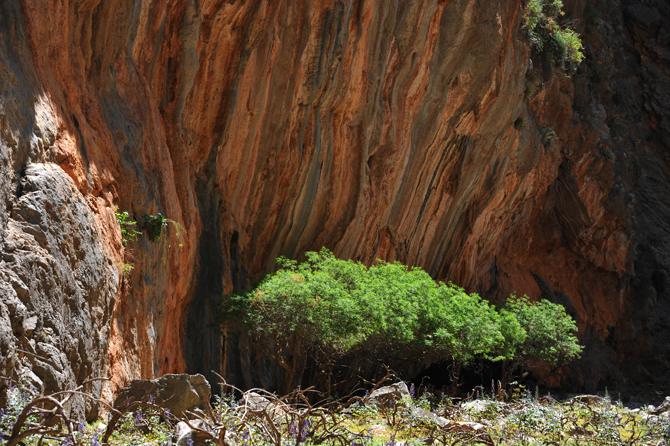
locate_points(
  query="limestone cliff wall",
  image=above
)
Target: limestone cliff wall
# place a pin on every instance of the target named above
(379, 129)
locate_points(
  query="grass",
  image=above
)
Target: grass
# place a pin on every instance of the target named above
(126, 268)
(292, 420)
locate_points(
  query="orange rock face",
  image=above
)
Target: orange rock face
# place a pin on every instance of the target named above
(393, 130)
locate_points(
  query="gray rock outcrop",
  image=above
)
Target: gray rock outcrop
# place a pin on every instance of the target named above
(57, 287)
(178, 393)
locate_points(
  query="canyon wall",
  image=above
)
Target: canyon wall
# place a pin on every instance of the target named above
(379, 129)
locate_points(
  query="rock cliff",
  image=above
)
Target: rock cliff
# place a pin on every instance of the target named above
(379, 129)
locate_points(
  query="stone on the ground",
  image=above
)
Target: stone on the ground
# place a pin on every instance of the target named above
(664, 407)
(255, 401)
(476, 428)
(547, 399)
(430, 416)
(185, 433)
(588, 399)
(477, 405)
(389, 395)
(654, 420)
(377, 429)
(178, 393)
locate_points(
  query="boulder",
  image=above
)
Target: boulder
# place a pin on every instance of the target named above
(664, 407)
(255, 401)
(470, 425)
(389, 395)
(178, 393)
(588, 399)
(186, 436)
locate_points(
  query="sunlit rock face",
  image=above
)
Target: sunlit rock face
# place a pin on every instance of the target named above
(378, 129)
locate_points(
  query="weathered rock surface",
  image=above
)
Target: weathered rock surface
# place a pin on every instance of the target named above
(186, 436)
(57, 285)
(177, 393)
(389, 395)
(255, 401)
(377, 129)
(430, 416)
(663, 407)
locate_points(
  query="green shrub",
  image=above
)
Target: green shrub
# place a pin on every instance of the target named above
(324, 308)
(549, 331)
(548, 335)
(128, 232)
(559, 47)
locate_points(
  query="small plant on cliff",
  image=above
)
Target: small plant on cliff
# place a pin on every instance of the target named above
(127, 268)
(519, 123)
(157, 225)
(128, 231)
(559, 47)
(157, 230)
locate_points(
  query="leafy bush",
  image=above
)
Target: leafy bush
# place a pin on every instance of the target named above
(128, 231)
(549, 330)
(324, 308)
(559, 47)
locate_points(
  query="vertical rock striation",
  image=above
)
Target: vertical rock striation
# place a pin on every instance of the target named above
(378, 129)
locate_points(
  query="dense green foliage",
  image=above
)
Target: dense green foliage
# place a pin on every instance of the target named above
(560, 47)
(325, 307)
(548, 330)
